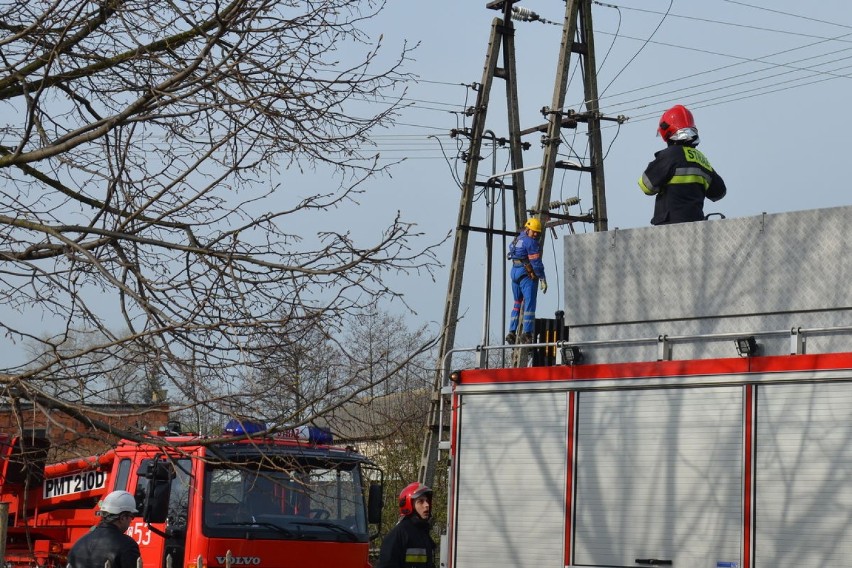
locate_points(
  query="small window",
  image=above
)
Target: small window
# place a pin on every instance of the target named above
(122, 475)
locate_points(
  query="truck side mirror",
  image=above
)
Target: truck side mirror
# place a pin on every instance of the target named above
(375, 503)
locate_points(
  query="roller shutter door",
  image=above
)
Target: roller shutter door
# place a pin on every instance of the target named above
(803, 480)
(511, 472)
(659, 476)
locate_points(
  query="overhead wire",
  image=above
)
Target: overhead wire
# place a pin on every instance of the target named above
(742, 94)
(446, 83)
(799, 16)
(427, 105)
(734, 97)
(453, 173)
(712, 21)
(737, 93)
(642, 47)
(742, 60)
(612, 43)
(669, 91)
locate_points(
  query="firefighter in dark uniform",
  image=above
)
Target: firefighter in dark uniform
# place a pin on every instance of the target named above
(107, 543)
(409, 544)
(680, 176)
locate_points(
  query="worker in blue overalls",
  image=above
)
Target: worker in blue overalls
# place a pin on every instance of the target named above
(525, 254)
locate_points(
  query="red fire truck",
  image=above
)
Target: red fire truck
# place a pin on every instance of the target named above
(289, 500)
(699, 414)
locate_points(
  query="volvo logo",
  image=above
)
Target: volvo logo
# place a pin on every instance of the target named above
(240, 560)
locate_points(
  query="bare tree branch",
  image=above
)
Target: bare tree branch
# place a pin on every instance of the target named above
(152, 212)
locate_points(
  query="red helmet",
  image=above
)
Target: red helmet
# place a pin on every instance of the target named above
(674, 121)
(411, 493)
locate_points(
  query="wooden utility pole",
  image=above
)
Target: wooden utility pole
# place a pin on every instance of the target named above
(577, 21)
(578, 16)
(590, 88)
(502, 39)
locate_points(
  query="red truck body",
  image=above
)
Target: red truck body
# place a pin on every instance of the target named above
(267, 501)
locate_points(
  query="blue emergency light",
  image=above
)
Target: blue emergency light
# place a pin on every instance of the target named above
(244, 427)
(311, 434)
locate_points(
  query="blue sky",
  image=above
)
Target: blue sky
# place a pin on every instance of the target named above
(767, 80)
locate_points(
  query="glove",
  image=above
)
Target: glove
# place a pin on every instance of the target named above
(543, 285)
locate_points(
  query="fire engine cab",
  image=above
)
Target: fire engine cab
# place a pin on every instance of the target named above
(286, 500)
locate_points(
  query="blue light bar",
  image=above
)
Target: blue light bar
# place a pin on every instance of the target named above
(242, 427)
(317, 435)
(311, 434)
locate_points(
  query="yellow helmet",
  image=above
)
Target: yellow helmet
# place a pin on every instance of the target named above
(533, 224)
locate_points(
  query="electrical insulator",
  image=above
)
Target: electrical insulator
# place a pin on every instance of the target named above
(567, 203)
(522, 14)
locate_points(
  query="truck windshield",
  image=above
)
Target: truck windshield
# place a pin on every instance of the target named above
(267, 499)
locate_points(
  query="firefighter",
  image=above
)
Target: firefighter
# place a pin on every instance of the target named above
(107, 542)
(525, 254)
(409, 544)
(680, 175)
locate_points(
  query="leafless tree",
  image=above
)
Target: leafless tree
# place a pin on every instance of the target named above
(147, 195)
(298, 382)
(387, 420)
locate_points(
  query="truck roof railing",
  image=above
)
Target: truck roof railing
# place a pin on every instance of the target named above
(664, 342)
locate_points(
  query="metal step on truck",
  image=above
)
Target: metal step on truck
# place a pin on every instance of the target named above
(699, 416)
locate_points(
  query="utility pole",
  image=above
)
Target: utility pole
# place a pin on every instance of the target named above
(577, 22)
(578, 17)
(502, 38)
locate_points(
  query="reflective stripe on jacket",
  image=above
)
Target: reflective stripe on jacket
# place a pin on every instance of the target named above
(525, 249)
(681, 177)
(408, 545)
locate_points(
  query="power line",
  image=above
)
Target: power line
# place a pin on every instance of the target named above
(799, 16)
(419, 80)
(725, 98)
(742, 61)
(736, 92)
(720, 22)
(611, 45)
(683, 90)
(645, 43)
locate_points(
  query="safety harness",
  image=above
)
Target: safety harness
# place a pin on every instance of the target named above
(520, 261)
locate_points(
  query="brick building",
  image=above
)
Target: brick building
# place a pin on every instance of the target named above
(71, 438)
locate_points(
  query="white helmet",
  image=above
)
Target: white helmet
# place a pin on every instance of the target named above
(118, 502)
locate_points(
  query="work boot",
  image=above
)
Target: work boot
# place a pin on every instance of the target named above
(526, 338)
(510, 338)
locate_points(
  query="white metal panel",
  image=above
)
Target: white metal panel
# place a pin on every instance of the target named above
(659, 476)
(765, 264)
(771, 272)
(803, 480)
(510, 486)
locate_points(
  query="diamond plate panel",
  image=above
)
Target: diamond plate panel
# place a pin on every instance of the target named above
(768, 272)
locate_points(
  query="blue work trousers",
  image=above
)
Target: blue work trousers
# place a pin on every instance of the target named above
(524, 291)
